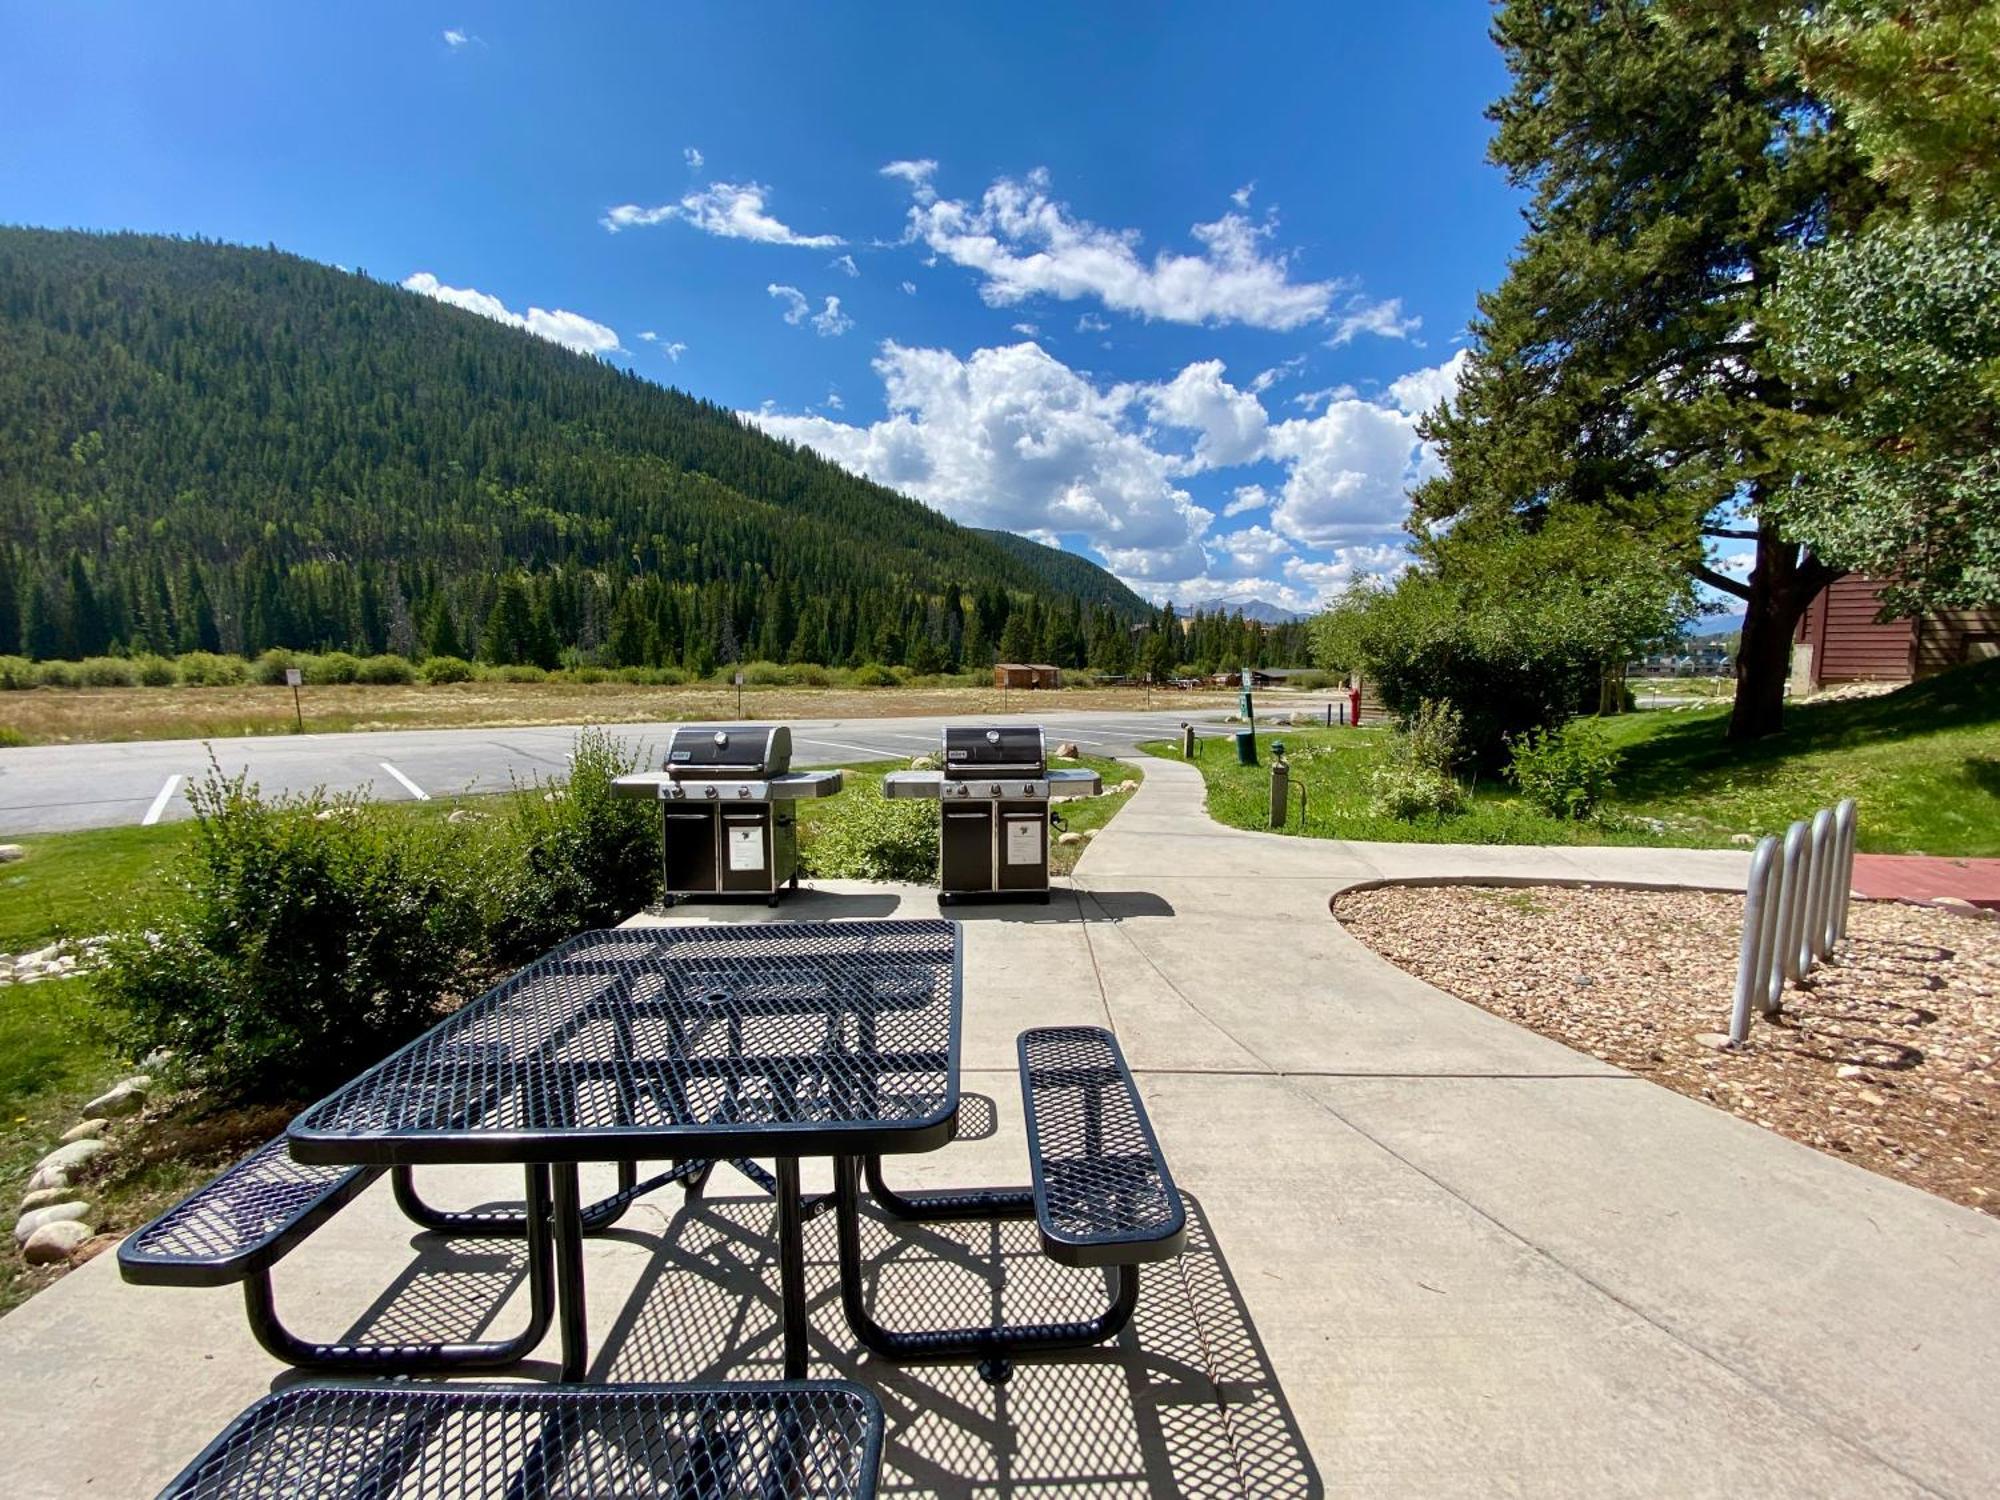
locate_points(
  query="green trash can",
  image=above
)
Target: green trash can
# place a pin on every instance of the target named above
(1246, 747)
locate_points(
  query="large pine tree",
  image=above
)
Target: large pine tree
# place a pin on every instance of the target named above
(1673, 157)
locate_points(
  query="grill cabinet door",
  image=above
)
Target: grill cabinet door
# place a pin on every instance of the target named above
(690, 845)
(1024, 846)
(746, 848)
(966, 848)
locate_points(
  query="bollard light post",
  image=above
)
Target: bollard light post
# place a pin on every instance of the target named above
(1281, 784)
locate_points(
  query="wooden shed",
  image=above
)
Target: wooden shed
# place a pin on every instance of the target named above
(1839, 639)
(1014, 674)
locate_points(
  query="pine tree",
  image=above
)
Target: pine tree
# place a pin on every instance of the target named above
(10, 606)
(1623, 364)
(443, 639)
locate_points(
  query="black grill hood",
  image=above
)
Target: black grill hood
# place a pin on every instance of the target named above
(718, 751)
(980, 750)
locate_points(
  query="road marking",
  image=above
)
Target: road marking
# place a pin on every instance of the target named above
(160, 802)
(408, 785)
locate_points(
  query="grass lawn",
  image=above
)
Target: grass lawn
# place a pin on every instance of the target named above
(1923, 763)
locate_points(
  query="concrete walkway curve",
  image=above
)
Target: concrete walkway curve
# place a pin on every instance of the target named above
(1485, 1263)
(1435, 1255)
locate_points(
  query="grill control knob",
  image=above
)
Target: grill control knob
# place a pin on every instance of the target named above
(992, 736)
(674, 791)
(1028, 790)
(994, 790)
(709, 791)
(721, 738)
(743, 791)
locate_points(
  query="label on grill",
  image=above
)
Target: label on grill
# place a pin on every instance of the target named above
(1024, 841)
(746, 848)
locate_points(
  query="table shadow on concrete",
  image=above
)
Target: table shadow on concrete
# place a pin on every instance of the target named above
(1183, 1403)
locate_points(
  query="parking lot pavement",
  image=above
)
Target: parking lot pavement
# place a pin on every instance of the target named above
(56, 788)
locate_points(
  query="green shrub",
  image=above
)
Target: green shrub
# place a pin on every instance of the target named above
(17, 674)
(302, 939)
(1314, 682)
(58, 674)
(1564, 772)
(578, 855)
(210, 669)
(1407, 791)
(871, 675)
(331, 669)
(809, 674)
(385, 670)
(155, 671)
(11, 738)
(443, 669)
(587, 674)
(1433, 738)
(269, 669)
(107, 671)
(866, 836)
(765, 674)
(518, 672)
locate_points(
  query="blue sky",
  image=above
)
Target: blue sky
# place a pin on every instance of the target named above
(1163, 284)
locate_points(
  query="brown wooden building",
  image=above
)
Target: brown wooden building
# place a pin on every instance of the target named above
(1014, 674)
(1839, 639)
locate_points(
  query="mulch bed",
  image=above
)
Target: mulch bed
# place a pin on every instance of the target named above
(1887, 1057)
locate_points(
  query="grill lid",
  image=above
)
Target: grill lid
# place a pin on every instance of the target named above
(720, 752)
(976, 750)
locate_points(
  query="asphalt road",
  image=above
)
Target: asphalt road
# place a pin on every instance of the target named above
(55, 788)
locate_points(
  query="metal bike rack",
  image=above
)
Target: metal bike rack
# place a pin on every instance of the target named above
(1795, 910)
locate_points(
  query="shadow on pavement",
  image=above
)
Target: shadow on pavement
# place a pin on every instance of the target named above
(1183, 1403)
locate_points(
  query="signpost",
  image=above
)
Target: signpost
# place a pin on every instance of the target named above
(739, 694)
(293, 677)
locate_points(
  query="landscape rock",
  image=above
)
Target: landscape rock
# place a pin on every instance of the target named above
(1850, 1070)
(11, 852)
(1072, 837)
(84, 1130)
(159, 1057)
(56, 1242)
(55, 1213)
(1065, 751)
(126, 1098)
(68, 1158)
(1745, 839)
(464, 815)
(1719, 1040)
(48, 1177)
(43, 1197)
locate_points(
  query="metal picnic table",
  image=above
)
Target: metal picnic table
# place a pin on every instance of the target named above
(681, 1044)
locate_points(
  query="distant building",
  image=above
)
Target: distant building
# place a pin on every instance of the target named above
(1839, 639)
(1014, 674)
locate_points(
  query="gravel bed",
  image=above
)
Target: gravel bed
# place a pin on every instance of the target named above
(1887, 1057)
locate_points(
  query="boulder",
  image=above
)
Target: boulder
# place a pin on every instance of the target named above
(54, 1243)
(126, 1098)
(1065, 751)
(11, 852)
(68, 1158)
(55, 1213)
(43, 1197)
(48, 1177)
(84, 1130)
(1071, 837)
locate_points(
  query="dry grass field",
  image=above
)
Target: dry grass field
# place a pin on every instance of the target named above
(45, 716)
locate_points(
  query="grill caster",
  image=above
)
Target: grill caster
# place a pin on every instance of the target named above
(944, 898)
(772, 899)
(1043, 898)
(996, 1372)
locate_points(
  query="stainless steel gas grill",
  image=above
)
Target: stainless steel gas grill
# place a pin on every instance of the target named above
(996, 787)
(727, 824)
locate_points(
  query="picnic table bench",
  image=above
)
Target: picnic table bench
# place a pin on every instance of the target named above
(771, 1441)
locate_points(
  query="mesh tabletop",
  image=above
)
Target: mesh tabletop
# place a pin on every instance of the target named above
(470, 1442)
(767, 1038)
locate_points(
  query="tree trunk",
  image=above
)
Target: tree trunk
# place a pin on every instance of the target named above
(1782, 584)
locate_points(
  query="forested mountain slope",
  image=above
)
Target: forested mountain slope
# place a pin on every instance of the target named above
(207, 446)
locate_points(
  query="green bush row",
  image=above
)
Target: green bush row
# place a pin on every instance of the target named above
(305, 937)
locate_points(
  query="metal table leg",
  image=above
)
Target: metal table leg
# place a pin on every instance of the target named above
(569, 1272)
(792, 1267)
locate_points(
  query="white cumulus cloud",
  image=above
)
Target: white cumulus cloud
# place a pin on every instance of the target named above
(794, 300)
(456, 37)
(693, 157)
(917, 174)
(830, 322)
(571, 330)
(1383, 319)
(1024, 243)
(729, 210)
(844, 264)
(1246, 498)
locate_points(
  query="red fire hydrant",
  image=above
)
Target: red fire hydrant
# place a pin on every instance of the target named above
(1354, 705)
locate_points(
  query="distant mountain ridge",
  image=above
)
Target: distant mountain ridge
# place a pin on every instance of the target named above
(1260, 610)
(209, 445)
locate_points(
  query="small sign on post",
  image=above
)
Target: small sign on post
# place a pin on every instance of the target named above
(293, 677)
(739, 694)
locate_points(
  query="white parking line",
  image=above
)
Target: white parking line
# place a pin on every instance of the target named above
(873, 752)
(408, 785)
(160, 802)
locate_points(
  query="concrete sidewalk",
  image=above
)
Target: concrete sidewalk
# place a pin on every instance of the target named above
(1432, 1254)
